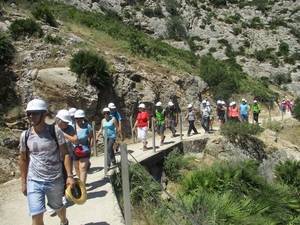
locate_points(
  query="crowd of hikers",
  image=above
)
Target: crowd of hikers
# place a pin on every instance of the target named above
(48, 153)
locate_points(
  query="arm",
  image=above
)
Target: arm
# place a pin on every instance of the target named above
(100, 131)
(117, 126)
(23, 164)
(91, 138)
(67, 163)
(72, 138)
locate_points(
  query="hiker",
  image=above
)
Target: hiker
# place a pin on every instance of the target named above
(72, 112)
(160, 121)
(283, 106)
(191, 117)
(244, 111)
(109, 125)
(205, 116)
(221, 110)
(171, 117)
(142, 124)
(42, 147)
(233, 112)
(82, 151)
(211, 116)
(119, 118)
(256, 110)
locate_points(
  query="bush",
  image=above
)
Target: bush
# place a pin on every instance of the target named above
(276, 22)
(283, 49)
(296, 33)
(25, 27)
(218, 3)
(234, 130)
(237, 30)
(263, 55)
(173, 163)
(282, 78)
(42, 12)
(212, 49)
(233, 18)
(156, 12)
(296, 109)
(256, 23)
(288, 173)
(90, 66)
(7, 52)
(222, 77)
(171, 7)
(52, 39)
(176, 29)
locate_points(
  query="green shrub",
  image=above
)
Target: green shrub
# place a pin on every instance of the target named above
(172, 164)
(282, 78)
(288, 172)
(292, 58)
(176, 29)
(296, 33)
(276, 22)
(283, 48)
(234, 130)
(273, 125)
(256, 23)
(296, 109)
(212, 49)
(237, 30)
(52, 39)
(90, 66)
(7, 52)
(233, 18)
(263, 55)
(153, 12)
(247, 43)
(25, 27)
(172, 7)
(222, 77)
(218, 3)
(42, 12)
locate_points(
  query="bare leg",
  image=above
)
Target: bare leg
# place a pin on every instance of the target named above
(83, 165)
(76, 165)
(38, 219)
(62, 215)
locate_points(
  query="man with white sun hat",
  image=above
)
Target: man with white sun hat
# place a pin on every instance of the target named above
(171, 117)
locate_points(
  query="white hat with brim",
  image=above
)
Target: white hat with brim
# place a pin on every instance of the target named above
(142, 106)
(77, 194)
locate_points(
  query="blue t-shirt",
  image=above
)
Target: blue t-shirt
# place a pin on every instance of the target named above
(70, 131)
(83, 136)
(244, 109)
(109, 127)
(117, 115)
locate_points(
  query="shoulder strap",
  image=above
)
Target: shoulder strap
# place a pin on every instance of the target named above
(53, 134)
(27, 133)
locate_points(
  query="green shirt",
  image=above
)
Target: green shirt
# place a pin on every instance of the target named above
(256, 108)
(160, 117)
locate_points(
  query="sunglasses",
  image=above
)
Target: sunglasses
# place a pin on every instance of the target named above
(34, 113)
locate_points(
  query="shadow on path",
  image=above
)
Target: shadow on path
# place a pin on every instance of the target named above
(97, 194)
(96, 184)
(95, 169)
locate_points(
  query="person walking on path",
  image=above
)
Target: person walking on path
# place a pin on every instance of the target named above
(171, 117)
(42, 147)
(244, 111)
(109, 126)
(191, 117)
(221, 111)
(142, 124)
(114, 112)
(233, 112)
(82, 151)
(256, 111)
(160, 121)
(205, 116)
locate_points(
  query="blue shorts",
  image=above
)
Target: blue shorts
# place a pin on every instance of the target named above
(38, 190)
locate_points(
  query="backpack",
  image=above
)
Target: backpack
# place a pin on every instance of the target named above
(52, 133)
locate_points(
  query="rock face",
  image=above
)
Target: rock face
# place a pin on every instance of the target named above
(246, 29)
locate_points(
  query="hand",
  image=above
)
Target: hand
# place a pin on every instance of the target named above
(70, 181)
(24, 188)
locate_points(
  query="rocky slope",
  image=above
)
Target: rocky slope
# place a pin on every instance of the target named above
(250, 31)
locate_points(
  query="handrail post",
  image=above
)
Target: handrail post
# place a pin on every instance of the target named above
(105, 153)
(132, 131)
(125, 184)
(180, 126)
(153, 134)
(94, 139)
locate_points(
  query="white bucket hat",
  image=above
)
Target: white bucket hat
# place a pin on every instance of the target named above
(170, 103)
(112, 105)
(72, 111)
(142, 105)
(190, 106)
(158, 104)
(79, 114)
(64, 116)
(37, 105)
(106, 110)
